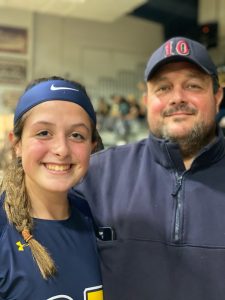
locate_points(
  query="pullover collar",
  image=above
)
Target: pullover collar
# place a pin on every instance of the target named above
(168, 154)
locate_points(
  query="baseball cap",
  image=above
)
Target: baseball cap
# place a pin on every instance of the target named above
(54, 90)
(181, 49)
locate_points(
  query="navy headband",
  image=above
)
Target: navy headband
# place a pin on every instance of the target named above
(53, 90)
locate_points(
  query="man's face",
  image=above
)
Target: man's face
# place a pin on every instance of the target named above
(180, 100)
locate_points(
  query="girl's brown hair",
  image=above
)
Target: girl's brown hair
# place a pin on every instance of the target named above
(17, 204)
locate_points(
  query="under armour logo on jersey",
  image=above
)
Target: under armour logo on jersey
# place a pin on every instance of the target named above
(91, 293)
(180, 47)
(21, 246)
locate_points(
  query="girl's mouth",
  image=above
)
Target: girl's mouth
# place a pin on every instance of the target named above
(55, 167)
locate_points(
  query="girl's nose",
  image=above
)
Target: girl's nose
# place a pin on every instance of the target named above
(60, 146)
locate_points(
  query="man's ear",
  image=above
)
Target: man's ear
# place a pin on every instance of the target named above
(218, 98)
(145, 98)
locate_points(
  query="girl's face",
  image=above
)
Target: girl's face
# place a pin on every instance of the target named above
(55, 146)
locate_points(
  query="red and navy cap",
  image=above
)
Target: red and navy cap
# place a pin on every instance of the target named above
(181, 49)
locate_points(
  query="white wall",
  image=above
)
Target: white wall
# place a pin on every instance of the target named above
(100, 55)
(9, 92)
(20, 19)
(106, 57)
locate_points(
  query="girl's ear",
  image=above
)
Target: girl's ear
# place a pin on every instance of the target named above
(11, 137)
(16, 145)
(94, 147)
(98, 144)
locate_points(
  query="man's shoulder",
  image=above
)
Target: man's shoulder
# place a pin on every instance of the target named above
(119, 150)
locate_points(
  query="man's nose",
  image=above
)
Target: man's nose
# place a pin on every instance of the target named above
(177, 96)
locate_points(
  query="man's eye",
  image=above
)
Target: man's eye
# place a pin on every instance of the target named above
(163, 88)
(193, 86)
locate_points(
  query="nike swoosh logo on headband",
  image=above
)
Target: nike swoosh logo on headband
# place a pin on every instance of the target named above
(57, 88)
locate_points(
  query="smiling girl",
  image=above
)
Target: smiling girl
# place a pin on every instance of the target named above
(47, 246)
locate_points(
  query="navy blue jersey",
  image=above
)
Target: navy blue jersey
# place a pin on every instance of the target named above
(71, 244)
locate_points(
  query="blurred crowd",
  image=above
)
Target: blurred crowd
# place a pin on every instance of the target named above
(124, 116)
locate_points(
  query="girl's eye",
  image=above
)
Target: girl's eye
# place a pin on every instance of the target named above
(43, 133)
(77, 136)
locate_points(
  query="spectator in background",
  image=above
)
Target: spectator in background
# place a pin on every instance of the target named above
(102, 112)
(134, 107)
(117, 117)
(113, 112)
(142, 105)
(122, 125)
(220, 117)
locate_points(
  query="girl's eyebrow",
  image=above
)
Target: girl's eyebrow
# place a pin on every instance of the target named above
(43, 122)
(47, 123)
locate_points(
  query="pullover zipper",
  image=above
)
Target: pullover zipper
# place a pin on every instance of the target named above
(178, 213)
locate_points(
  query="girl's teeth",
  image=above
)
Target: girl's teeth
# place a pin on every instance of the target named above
(58, 167)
